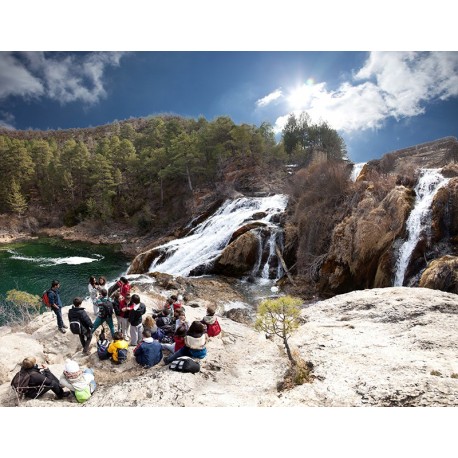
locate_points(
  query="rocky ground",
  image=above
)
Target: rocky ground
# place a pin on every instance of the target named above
(379, 347)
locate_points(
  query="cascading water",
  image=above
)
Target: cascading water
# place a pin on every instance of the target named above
(357, 170)
(208, 239)
(430, 181)
(271, 243)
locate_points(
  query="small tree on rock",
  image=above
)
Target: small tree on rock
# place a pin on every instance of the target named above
(280, 317)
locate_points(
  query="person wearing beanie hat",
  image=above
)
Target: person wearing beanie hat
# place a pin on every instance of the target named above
(80, 383)
(33, 382)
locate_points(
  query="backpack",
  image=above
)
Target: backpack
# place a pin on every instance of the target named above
(105, 309)
(45, 298)
(122, 355)
(102, 349)
(83, 395)
(185, 364)
(20, 382)
(75, 327)
(213, 329)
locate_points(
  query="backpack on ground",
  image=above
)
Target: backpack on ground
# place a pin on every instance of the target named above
(122, 355)
(45, 298)
(102, 349)
(185, 364)
(20, 382)
(75, 327)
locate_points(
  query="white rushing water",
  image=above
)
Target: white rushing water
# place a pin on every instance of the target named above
(430, 181)
(46, 262)
(209, 238)
(357, 170)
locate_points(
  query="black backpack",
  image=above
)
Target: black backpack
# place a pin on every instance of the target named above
(20, 382)
(75, 327)
(185, 364)
(105, 309)
(122, 355)
(102, 349)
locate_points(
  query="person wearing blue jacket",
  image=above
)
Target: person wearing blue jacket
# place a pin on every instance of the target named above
(56, 305)
(148, 352)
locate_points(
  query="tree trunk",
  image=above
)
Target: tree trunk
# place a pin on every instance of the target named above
(189, 178)
(162, 194)
(288, 352)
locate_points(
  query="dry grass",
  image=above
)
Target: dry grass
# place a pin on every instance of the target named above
(297, 374)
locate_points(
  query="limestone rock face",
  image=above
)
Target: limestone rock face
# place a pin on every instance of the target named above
(360, 255)
(378, 347)
(441, 274)
(238, 257)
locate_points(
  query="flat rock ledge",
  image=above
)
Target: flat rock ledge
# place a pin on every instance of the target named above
(379, 347)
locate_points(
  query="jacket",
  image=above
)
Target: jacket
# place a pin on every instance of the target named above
(79, 383)
(38, 378)
(79, 314)
(135, 313)
(148, 352)
(156, 333)
(114, 346)
(54, 297)
(196, 345)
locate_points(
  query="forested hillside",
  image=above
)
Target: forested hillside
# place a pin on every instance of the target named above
(143, 171)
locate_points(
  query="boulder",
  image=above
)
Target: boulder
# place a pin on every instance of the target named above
(441, 274)
(239, 257)
(240, 315)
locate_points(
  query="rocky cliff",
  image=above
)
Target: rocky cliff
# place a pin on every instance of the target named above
(379, 347)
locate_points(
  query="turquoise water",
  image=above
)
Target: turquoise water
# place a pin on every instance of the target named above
(31, 266)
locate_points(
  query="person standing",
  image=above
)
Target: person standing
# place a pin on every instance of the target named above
(82, 324)
(93, 293)
(136, 310)
(56, 305)
(105, 314)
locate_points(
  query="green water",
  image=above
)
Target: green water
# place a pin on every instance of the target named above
(31, 266)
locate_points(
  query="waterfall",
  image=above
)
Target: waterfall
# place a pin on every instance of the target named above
(271, 244)
(430, 181)
(209, 238)
(357, 170)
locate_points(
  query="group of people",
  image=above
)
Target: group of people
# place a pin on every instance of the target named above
(166, 329)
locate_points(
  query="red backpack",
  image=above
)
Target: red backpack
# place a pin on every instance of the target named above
(45, 298)
(213, 329)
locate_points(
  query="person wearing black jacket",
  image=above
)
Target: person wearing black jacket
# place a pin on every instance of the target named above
(136, 310)
(40, 380)
(78, 314)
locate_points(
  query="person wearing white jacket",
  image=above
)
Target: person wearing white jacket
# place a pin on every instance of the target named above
(80, 383)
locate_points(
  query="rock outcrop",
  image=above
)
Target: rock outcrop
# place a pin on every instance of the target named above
(380, 347)
(441, 274)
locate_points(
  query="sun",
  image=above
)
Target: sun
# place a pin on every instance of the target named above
(299, 97)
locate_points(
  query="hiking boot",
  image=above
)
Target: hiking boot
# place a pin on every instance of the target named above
(65, 394)
(62, 330)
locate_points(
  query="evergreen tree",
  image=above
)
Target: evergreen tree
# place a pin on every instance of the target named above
(16, 201)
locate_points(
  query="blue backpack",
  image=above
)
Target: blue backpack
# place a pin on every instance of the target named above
(102, 349)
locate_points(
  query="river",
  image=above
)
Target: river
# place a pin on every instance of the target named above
(31, 266)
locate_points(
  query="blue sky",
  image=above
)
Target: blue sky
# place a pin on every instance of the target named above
(378, 101)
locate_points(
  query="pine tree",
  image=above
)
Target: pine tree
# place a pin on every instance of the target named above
(15, 200)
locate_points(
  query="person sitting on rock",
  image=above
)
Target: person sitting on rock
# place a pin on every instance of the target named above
(178, 340)
(148, 352)
(118, 348)
(149, 323)
(210, 320)
(80, 383)
(195, 343)
(80, 324)
(33, 382)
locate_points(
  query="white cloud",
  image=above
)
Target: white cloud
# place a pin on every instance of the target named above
(269, 98)
(390, 84)
(62, 77)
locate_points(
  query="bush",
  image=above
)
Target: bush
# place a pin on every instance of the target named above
(18, 307)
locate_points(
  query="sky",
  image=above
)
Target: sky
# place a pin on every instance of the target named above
(378, 101)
